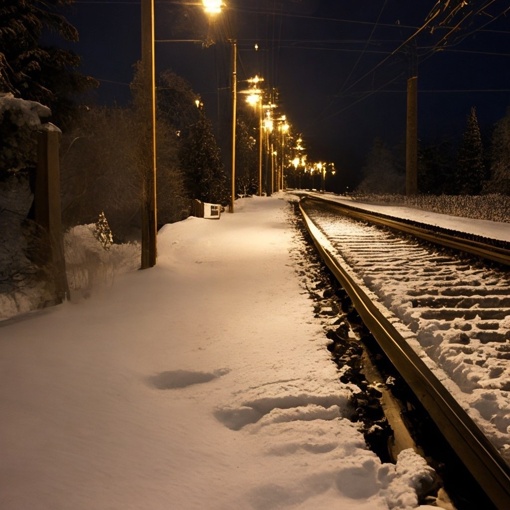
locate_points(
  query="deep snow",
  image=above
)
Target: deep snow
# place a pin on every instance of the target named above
(202, 383)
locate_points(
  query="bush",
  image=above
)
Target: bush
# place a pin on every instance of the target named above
(493, 207)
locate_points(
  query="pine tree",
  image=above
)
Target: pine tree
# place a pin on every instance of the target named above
(102, 232)
(172, 203)
(246, 159)
(470, 174)
(199, 154)
(32, 71)
(499, 181)
(201, 163)
(177, 103)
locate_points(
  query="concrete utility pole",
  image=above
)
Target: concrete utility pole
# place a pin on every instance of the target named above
(149, 206)
(412, 137)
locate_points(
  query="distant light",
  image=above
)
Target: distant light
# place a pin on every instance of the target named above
(253, 99)
(255, 80)
(212, 6)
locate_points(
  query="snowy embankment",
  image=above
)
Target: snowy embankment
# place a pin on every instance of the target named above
(203, 383)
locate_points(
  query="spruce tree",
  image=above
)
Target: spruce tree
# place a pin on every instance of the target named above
(198, 154)
(499, 181)
(470, 173)
(246, 158)
(29, 69)
(201, 163)
(102, 232)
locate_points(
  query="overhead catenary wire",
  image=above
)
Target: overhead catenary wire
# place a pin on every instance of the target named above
(272, 45)
(358, 60)
(433, 15)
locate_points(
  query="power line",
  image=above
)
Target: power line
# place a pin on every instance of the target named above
(366, 44)
(433, 15)
(359, 57)
(366, 96)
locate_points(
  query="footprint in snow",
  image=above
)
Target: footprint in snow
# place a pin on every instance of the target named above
(176, 379)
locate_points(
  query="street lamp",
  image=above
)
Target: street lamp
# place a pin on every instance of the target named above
(254, 99)
(268, 129)
(149, 204)
(212, 6)
(283, 128)
(234, 122)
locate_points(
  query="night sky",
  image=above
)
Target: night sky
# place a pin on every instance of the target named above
(340, 66)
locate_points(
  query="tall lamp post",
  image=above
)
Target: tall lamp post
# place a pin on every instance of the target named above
(214, 7)
(149, 206)
(283, 129)
(234, 122)
(149, 203)
(268, 129)
(254, 99)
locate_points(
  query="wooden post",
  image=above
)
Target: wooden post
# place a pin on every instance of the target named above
(261, 144)
(47, 204)
(149, 207)
(234, 122)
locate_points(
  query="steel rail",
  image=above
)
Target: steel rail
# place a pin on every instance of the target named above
(478, 455)
(439, 236)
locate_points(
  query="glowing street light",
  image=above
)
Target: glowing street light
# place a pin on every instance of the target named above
(268, 126)
(212, 7)
(283, 128)
(254, 99)
(149, 203)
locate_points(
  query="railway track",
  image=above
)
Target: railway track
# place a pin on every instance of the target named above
(427, 307)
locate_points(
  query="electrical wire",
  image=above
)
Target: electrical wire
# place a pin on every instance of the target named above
(354, 67)
(366, 96)
(433, 15)
(366, 44)
(436, 47)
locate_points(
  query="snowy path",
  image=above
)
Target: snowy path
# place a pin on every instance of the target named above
(203, 383)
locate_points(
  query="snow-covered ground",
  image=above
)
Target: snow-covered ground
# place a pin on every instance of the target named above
(490, 229)
(202, 383)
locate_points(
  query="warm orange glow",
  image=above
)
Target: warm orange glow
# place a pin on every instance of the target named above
(255, 80)
(212, 6)
(254, 97)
